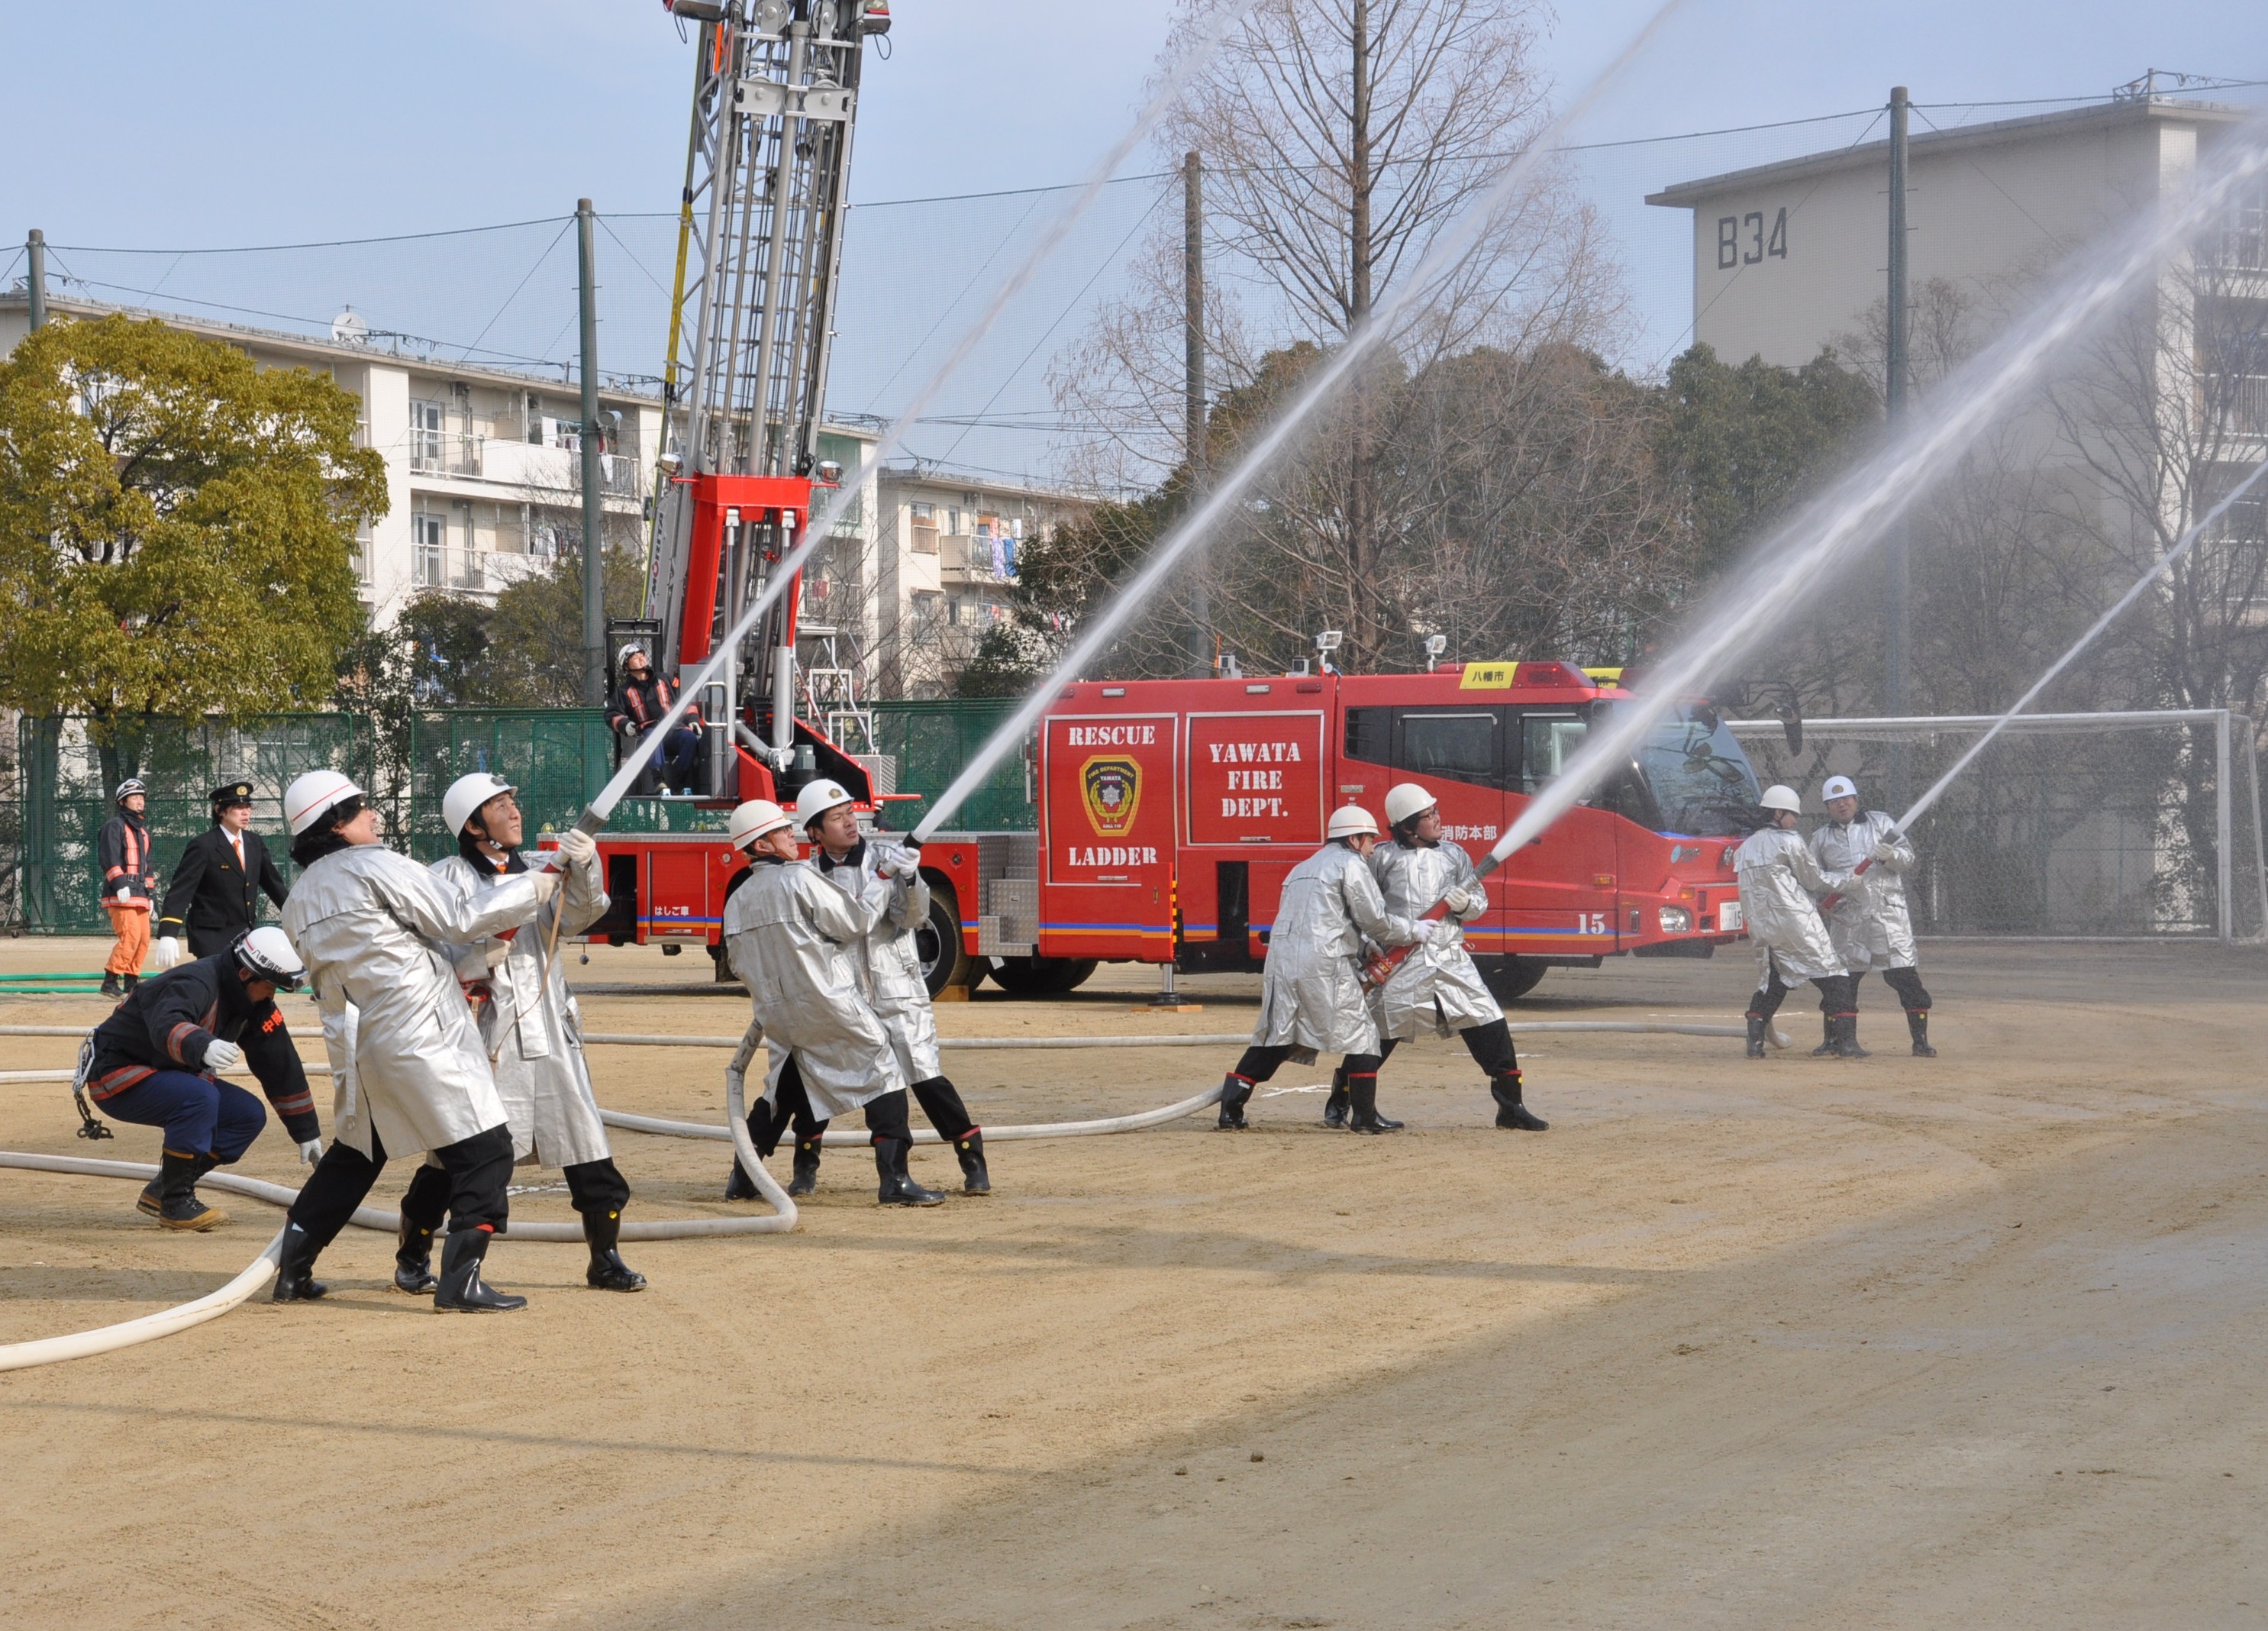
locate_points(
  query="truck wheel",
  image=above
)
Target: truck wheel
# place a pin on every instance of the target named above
(1041, 976)
(945, 959)
(1511, 979)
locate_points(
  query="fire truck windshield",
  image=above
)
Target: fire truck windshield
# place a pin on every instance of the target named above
(1700, 780)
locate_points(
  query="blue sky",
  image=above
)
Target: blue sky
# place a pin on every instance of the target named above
(164, 125)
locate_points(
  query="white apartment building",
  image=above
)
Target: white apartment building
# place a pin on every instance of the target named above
(948, 546)
(483, 466)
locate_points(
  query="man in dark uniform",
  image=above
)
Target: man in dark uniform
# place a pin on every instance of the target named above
(217, 886)
(158, 1058)
(640, 701)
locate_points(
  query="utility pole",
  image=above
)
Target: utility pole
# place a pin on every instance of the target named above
(594, 515)
(1897, 379)
(1193, 391)
(35, 251)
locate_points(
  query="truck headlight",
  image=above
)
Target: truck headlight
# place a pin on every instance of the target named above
(1676, 920)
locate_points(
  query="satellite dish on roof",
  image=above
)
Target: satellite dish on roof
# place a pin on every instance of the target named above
(348, 328)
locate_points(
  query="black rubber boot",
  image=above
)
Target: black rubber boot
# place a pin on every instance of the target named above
(1362, 1102)
(110, 986)
(461, 1290)
(740, 1186)
(806, 1177)
(1335, 1108)
(413, 1260)
(898, 1189)
(1759, 1028)
(608, 1271)
(178, 1206)
(970, 1148)
(1827, 1037)
(1511, 1113)
(1846, 1037)
(130, 981)
(1918, 1023)
(1234, 1092)
(295, 1270)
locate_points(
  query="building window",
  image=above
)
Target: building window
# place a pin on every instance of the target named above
(428, 436)
(429, 549)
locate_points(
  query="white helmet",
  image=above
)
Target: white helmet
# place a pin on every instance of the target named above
(819, 798)
(1839, 787)
(310, 797)
(628, 651)
(751, 821)
(1779, 796)
(1405, 799)
(1350, 821)
(467, 794)
(267, 953)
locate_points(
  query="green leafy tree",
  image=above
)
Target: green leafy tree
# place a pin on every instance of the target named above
(177, 529)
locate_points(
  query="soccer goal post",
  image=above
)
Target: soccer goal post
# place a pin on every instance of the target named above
(2082, 826)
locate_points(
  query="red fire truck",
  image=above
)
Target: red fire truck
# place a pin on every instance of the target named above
(1169, 812)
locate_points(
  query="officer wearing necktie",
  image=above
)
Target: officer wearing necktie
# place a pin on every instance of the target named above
(215, 894)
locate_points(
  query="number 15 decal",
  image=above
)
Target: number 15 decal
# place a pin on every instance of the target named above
(1594, 923)
(1741, 239)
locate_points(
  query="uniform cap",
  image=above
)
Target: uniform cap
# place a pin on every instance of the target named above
(1350, 821)
(127, 789)
(467, 794)
(1405, 799)
(819, 798)
(1840, 787)
(231, 793)
(311, 796)
(267, 953)
(751, 821)
(1779, 796)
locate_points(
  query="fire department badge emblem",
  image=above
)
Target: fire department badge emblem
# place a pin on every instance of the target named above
(1113, 788)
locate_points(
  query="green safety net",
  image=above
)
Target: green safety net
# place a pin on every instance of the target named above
(932, 742)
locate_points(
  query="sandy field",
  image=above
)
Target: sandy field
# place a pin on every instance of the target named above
(1891, 1342)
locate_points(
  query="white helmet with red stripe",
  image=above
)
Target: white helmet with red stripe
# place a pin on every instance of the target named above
(1350, 821)
(310, 797)
(753, 820)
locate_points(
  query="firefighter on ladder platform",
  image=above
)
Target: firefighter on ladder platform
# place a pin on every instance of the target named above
(1868, 922)
(640, 701)
(1437, 986)
(1311, 999)
(1781, 884)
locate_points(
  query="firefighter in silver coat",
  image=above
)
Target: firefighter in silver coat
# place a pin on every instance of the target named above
(1781, 884)
(886, 879)
(1329, 919)
(795, 941)
(408, 1066)
(1436, 986)
(529, 1023)
(1869, 922)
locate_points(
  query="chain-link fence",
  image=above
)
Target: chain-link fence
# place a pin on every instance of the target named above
(2091, 826)
(932, 742)
(557, 758)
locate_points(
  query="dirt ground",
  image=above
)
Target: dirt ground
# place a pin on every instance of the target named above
(1802, 1342)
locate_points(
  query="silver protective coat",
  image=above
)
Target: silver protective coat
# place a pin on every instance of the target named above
(407, 1061)
(529, 1025)
(1869, 923)
(1437, 985)
(795, 941)
(1311, 994)
(1779, 886)
(895, 989)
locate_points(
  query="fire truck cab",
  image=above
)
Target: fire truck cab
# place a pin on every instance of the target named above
(1170, 811)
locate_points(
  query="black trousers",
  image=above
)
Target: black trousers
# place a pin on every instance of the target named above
(1490, 1045)
(791, 1107)
(1913, 997)
(477, 1170)
(591, 1187)
(1258, 1064)
(1839, 993)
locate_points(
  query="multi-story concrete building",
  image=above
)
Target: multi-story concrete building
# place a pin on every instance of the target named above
(483, 466)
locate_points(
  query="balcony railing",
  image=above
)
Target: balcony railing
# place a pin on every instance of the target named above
(437, 566)
(2244, 402)
(527, 465)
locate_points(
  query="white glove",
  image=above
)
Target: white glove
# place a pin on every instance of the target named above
(496, 953)
(311, 1151)
(1465, 902)
(1427, 929)
(125, 890)
(221, 1055)
(1886, 852)
(166, 953)
(546, 885)
(579, 846)
(905, 864)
